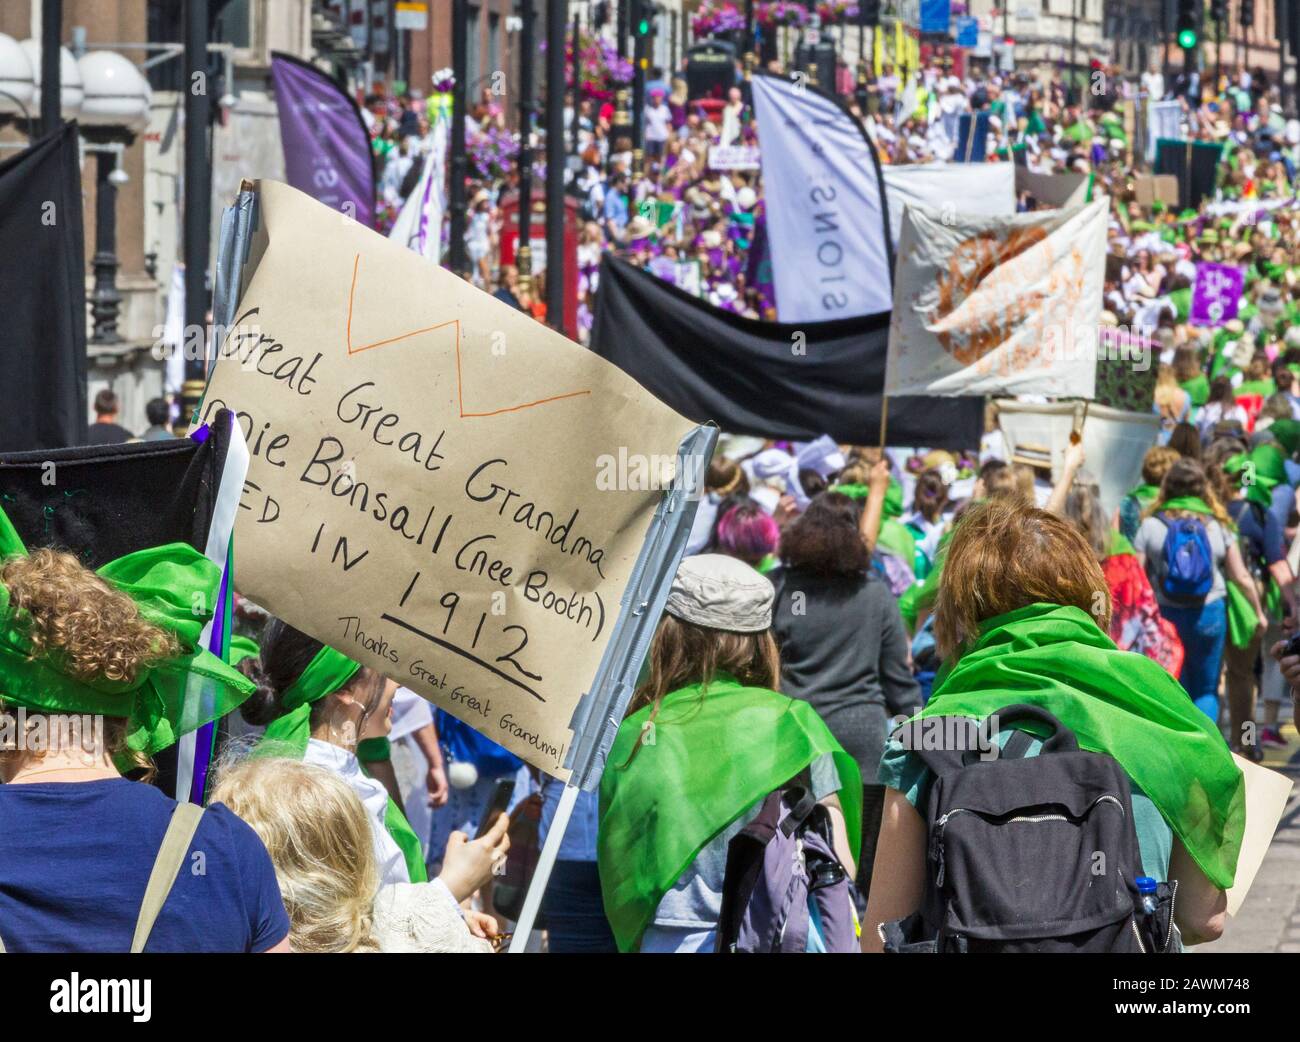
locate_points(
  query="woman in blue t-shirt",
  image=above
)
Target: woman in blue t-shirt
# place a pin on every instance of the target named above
(93, 670)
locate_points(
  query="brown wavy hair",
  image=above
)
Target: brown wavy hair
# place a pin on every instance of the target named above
(825, 539)
(1006, 555)
(682, 654)
(95, 631)
(1188, 478)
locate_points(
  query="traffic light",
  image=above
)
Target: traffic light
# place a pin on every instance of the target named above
(1247, 14)
(1189, 24)
(868, 12)
(1219, 11)
(644, 14)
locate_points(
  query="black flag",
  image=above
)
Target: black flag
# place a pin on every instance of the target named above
(103, 502)
(771, 379)
(42, 270)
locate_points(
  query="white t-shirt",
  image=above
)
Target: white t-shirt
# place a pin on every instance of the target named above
(658, 122)
(374, 797)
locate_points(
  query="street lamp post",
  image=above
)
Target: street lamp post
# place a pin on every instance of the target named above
(198, 204)
(51, 55)
(555, 26)
(524, 211)
(456, 255)
(105, 300)
(115, 106)
(1074, 36)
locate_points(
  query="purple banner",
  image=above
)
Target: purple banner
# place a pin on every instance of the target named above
(1217, 294)
(326, 144)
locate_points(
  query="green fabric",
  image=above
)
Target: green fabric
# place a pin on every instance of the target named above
(328, 671)
(1287, 433)
(1078, 132)
(1181, 299)
(1116, 702)
(852, 490)
(920, 598)
(1241, 617)
(767, 564)
(287, 735)
(1192, 504)
(175, 587)
(1146, 494)
(893, 505)
(1198, 389)
(374, 750)
(1120, 546)
(1258, 472)
(710, 755)
(404, 836)
(242, 647)
(897, 539)
(1263, 388)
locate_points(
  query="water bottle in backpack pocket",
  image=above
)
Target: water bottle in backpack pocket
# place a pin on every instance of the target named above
(1187, 565)
(1028, 854)
(784, 889)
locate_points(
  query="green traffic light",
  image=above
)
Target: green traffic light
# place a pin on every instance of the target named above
(1187, 39)
(643, 27)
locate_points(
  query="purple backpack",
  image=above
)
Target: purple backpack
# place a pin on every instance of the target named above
(784, 889)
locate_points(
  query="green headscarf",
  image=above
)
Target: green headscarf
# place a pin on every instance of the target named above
(327, 672)
(715, 753)
(1287, 433)
(175, 588)
(330, 671)
(1117, 703)
(1258, 471)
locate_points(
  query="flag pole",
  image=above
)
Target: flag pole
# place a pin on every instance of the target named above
(600, 711)
(884, 418)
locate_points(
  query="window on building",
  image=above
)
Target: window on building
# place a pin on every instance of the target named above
(163, 25)
(234, 24)
(494, 43)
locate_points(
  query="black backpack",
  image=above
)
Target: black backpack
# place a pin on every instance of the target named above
(1026, 854)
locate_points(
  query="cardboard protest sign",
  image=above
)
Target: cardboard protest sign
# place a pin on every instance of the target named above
(1155, 188)
(440, 487)
(1267, 794)
(1217, 293)
(997, 305)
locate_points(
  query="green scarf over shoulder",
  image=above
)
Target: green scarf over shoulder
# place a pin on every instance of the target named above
(710, 755)
(1198, 389)
(1116, 702)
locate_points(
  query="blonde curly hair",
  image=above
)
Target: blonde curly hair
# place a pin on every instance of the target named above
(318, 836)
(96, 631)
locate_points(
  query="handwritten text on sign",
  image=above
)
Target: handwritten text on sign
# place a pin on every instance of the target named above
(430, 488)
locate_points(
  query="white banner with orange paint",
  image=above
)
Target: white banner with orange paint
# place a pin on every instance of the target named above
(998, 305)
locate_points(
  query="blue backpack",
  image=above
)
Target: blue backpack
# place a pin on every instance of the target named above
(1188, 559)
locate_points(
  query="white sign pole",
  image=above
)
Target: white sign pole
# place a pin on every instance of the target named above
(600, 711)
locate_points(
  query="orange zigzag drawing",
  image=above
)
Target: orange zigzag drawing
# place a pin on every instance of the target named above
(460, 385)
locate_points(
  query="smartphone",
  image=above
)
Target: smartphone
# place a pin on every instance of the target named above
(1292, 646)
(496, 806)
